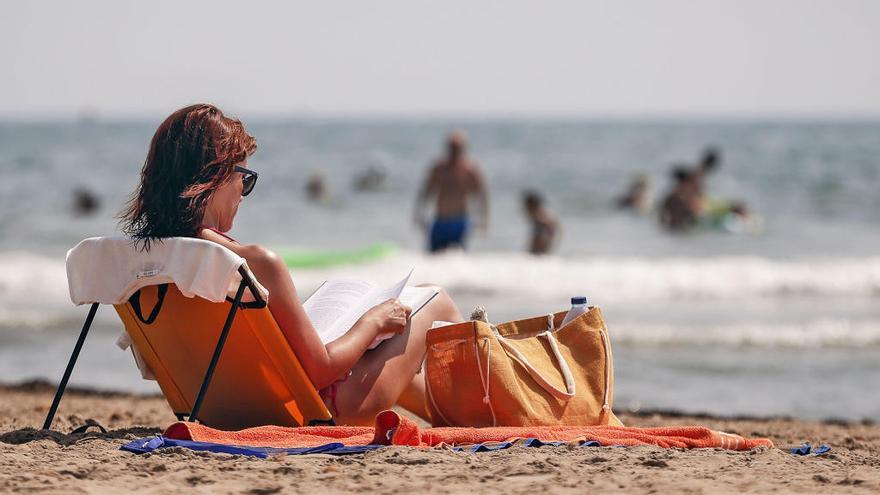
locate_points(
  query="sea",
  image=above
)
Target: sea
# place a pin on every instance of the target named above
(781, 320)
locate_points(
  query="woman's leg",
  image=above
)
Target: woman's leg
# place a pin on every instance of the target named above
(380, 378)
(413, 397)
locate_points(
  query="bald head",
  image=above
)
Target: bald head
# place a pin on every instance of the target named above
(456, 144)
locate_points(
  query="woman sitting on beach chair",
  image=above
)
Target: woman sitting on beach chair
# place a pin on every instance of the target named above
(192, 183)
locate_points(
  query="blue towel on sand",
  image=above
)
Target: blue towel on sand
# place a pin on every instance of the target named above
(807, 449)
(150, 444)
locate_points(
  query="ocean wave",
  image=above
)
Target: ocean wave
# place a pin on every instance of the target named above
(819, 333)
(33, 293)
(32, 282)
(37, 281)
(627, 279)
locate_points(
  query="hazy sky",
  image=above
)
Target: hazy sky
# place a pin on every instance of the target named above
(573, 58)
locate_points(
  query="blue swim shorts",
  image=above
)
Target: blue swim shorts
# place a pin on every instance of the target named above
(448, 232)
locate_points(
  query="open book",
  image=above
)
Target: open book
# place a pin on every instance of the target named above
(338, 304)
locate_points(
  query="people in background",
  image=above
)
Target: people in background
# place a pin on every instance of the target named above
(709, 163)
(371, 179)
(85, 202)
(453, 180)
(316, 188)
(545, 226)
(638, 197)
(682, 206)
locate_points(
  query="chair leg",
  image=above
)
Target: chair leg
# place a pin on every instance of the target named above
(193, 415)
(73, 357)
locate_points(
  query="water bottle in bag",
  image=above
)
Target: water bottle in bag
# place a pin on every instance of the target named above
(578, 307)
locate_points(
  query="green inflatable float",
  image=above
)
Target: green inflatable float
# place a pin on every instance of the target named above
(321, 258)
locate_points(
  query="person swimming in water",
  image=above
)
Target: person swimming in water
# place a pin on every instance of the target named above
(709, 163)
(85, 202)
(454, 179)
(638, 196)
(682, 206)
(545, 226)
(688, 206)
(316, 188)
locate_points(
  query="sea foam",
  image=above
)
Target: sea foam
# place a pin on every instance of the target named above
(626, 279)
(33, 293)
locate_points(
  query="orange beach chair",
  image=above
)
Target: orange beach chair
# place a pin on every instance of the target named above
(218, 359)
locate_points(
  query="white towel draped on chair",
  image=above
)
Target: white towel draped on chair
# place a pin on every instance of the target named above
(108, 270)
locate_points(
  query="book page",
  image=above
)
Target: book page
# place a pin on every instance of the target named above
(338, 304)
(417, 297)
(392, 292)
(373, 299)
(335, 303)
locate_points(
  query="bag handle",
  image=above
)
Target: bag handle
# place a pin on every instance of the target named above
(569, 391)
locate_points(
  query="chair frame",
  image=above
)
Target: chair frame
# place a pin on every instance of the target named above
(247, 281)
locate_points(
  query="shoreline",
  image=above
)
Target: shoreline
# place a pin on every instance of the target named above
(45, 386)
(55, 461)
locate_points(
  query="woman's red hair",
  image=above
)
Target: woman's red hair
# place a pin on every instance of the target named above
(193, 152)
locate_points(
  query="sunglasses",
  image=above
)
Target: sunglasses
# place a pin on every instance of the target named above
(248, 181)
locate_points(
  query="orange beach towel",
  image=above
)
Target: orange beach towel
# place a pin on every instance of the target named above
(394, 429)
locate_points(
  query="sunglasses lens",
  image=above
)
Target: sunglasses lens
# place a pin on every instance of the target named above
(248, 183)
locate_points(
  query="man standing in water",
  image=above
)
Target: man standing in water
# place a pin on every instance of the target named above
(453, 179)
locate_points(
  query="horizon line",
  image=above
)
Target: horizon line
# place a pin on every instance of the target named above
(94, 116)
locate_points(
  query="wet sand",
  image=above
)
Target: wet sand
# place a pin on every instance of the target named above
(36, 461)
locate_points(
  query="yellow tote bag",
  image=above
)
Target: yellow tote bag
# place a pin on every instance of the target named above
(521, 373)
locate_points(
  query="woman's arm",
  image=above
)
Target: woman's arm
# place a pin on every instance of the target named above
(323, 364)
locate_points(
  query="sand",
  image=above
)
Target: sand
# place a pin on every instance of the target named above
(36, 461)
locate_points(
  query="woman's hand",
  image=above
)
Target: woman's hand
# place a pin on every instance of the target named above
(390, 316)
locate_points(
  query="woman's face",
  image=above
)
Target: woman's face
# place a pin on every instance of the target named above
(223, 204)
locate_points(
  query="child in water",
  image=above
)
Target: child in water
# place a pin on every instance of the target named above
(545, 227)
